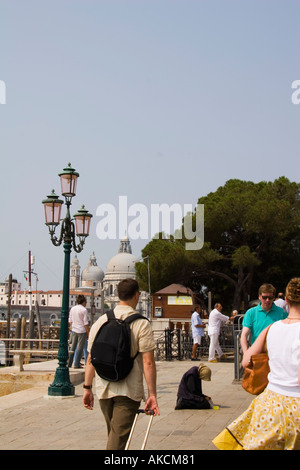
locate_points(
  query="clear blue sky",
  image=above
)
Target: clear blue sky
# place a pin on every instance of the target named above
(159, 100)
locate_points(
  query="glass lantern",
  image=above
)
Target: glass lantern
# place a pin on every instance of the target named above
(52, 207)
(68, 179)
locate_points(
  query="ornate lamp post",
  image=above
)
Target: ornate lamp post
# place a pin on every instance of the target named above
(62, 385)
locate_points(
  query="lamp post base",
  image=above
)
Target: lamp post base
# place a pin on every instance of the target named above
(61, 386)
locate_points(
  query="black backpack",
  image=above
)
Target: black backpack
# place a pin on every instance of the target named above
(110, 353)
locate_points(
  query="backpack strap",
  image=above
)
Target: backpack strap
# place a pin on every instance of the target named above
(134, 316)
(110, 315)
(130, 319)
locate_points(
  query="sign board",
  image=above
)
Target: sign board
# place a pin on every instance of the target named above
(180, 300)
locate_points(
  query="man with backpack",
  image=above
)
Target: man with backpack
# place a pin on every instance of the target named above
(120, 399)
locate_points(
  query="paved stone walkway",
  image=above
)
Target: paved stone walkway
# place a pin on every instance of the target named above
(30, 420)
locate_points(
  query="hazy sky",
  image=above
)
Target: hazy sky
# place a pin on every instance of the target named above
(161, 101)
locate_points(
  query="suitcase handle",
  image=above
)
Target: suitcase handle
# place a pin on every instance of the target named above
(140, 410)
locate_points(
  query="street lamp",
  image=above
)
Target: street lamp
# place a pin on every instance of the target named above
(62, 385)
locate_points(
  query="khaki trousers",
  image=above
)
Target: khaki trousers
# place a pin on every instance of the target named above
(119, 413)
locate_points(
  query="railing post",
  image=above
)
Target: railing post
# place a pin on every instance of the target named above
(237, 330)
(179, 342)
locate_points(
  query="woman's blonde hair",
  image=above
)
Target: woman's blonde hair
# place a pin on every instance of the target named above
(292, 291)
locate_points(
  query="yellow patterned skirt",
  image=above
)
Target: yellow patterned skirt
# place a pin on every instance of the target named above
(272, 422)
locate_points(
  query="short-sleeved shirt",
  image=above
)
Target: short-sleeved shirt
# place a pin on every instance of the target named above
(257, 319)
(78, 316)
(143, 341)
(196, 320)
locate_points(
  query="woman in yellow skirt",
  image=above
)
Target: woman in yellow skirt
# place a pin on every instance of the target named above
(272, 421)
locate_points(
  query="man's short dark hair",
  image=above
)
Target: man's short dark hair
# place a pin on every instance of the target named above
(127, 289)
(196, 306)
(267, 289)
(80, 299)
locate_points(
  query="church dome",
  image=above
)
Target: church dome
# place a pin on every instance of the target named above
(92, 272)
(124, 261)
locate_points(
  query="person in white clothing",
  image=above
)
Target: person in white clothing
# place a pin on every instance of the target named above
(272, 421)
(216, 318)
(79, 325)
(280, 302)
(197, 330)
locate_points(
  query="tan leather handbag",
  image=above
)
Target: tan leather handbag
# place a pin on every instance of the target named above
(256, 373)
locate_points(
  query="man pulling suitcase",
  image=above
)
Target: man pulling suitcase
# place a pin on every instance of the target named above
(120, 400)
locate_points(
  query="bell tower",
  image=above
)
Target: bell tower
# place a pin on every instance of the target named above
(75, 274)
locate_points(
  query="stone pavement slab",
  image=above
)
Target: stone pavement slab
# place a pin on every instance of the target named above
(31, 420)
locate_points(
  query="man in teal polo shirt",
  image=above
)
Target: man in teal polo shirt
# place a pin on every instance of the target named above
(257, 318)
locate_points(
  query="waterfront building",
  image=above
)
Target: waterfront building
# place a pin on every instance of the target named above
(100, 289)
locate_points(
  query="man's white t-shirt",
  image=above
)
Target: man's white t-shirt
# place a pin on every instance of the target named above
(78, 316)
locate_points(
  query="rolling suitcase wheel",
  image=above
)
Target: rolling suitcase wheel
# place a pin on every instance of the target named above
(140, 411)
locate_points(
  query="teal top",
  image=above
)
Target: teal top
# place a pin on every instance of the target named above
(257, 319)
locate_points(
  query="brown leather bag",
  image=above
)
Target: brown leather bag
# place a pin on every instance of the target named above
(256, 373)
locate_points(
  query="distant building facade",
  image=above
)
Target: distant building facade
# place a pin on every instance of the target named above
(122, 266)
(173, 305)
(100, 289)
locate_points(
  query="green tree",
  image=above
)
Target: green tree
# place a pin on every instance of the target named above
(245, 224)
(252, 235)
(168, 263)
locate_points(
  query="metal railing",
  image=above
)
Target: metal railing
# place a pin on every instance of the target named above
(31, 344)
(178, 344)
(41, 349)
(238, 353)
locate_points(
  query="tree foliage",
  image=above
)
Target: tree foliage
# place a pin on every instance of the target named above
(252, 235)
(167, 263)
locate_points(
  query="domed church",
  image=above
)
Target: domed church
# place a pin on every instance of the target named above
(121, 266)
(92, 275)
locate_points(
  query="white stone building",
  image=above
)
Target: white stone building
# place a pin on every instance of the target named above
(122, 266)
(104, 286)
(100, 289)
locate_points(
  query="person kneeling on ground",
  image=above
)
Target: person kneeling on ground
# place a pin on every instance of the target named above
(189, 395)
